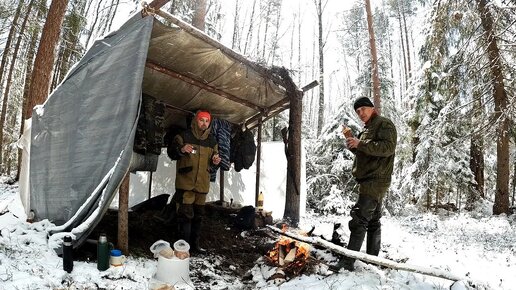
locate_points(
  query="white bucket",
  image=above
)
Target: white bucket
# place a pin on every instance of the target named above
(174, 270)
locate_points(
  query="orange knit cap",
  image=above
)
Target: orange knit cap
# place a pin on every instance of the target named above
(203, 114)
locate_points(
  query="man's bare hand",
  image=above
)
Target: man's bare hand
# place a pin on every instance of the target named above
(215, 159)
(352, 142)
(188, 148)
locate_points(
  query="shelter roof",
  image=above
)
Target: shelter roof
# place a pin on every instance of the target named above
(188, 70)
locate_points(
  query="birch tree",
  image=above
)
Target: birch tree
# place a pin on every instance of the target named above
(319, 8)
(3, 67)
(9, 80)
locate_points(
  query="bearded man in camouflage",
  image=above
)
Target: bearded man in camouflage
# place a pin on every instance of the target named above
(197, 149)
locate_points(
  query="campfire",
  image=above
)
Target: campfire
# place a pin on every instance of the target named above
(289, 256)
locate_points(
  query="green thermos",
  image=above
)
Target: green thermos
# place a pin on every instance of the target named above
(102, 253)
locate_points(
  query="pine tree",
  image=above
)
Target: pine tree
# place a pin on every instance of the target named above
(43, 64)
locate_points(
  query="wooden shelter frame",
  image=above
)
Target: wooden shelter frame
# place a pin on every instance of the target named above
(292, 101)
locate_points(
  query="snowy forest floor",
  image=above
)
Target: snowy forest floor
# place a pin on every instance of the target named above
(477, 246)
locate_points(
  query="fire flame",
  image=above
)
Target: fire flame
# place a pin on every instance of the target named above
(280, 253)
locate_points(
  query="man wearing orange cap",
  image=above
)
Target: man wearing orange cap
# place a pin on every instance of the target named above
(197, 149)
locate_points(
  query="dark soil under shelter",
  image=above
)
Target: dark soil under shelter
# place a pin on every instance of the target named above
(220, 237)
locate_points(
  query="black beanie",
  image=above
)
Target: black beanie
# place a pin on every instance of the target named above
(362, 102)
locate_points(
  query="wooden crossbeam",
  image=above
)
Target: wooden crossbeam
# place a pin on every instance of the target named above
(202, 85)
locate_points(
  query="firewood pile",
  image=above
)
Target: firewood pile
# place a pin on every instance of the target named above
(289, 258)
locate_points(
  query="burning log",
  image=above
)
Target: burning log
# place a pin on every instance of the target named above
(369, 258)
(290, 256)
(281, 255)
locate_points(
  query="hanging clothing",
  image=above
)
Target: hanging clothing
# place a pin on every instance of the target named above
(221, 129)
(243, 150)
(149, 130)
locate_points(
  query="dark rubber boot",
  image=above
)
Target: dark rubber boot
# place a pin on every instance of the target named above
(195, 236)
(346, 263)
(185, 229)
(374, 239)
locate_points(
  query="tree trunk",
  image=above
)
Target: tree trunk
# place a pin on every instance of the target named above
(293, 190)
(409, 73)
(10, 36)
(402, 42)
(235, 42)
(374, 59)
(7, 90)
(5, 55)
(476, 160)
(291, 60)
(71, 40)
(501, 203)
(249, 35)
(93, 24)
(29, 60)
(299, 43)
(108, 17)
(199, 16)
(514, 181)
(45, 56)
(113, 15)
(277, 7)
(320, 113)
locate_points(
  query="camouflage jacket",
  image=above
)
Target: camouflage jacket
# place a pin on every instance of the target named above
(192, 170)
(374, 156)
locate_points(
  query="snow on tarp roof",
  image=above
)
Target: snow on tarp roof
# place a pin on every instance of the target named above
(82, 137)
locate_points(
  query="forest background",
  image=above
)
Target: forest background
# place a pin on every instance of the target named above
(445, 77)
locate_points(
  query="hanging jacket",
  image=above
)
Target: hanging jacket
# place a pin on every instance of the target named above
(243, 150)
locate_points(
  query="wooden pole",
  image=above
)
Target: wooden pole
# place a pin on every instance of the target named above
(201, 84)
(370, 258)
(276, 108)
(157, 4)
(123, 215)
(258, 161)
(221, 182)
(150, 185)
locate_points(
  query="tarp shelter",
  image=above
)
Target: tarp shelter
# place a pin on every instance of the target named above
(83, 135)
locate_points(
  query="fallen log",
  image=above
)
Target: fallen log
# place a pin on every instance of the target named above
(370, 258)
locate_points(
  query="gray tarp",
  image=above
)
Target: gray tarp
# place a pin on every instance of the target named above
(82, 137)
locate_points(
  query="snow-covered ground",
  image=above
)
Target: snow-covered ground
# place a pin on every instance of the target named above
(479, 247)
